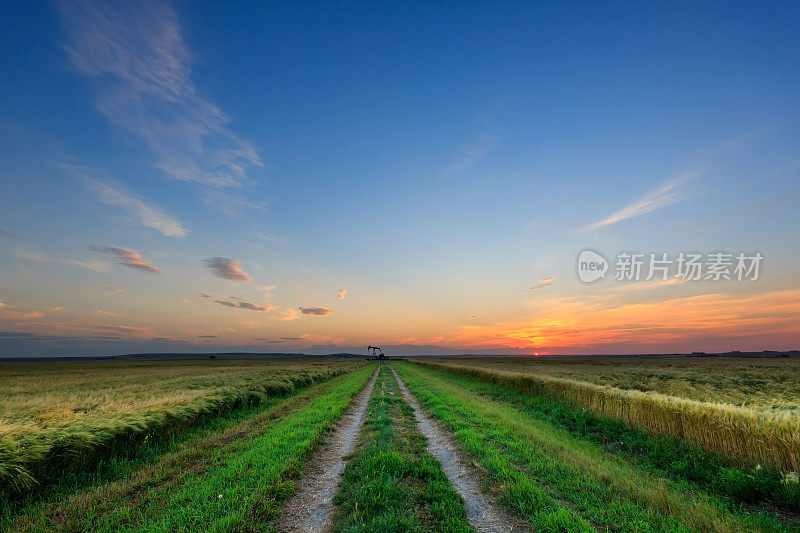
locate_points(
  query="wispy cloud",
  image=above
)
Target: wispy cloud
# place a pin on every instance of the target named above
(6, 234)
(126, 257)
(141, 66)
(474, 152)
(244, 305)
(148, 215)
(31, 256)
(113, 289)
(544, 282)
(225, 268)
(316, 311)
(342, 294)
(667, 194)
(97, 266)
(269, 237)
(7, 313)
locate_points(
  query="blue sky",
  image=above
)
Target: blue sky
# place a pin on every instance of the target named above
(434, 160)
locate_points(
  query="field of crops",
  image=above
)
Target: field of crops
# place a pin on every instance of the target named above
(52, 414)
(704, 401)
(446, 445)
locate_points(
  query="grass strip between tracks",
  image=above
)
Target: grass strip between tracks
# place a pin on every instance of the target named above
(391, 482)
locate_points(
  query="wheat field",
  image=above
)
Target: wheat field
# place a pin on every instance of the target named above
(745, 409)
(50, 413)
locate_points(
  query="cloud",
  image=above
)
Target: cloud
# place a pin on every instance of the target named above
(225, 268)
(316, 311)
(137, 58)
(126, 257)
(245, 305)
(665, 195)
(6, 234)
(268, 288)
(113, 289)
(541, 285)
(207, 337)
(615, 324)
(32, 256)
(7, 313)
(547, 280)
(269, 237)
(342, 293)
(149, 216)
(97, 266)
(204, 295)
(473, 317)
(186, 300)
(474, 152)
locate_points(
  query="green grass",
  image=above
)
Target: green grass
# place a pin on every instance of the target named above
(63, 417)
(560, 482)
(234, 480)
(391, 483)
(662, 455)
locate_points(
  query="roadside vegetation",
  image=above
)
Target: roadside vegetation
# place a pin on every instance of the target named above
(64, 417)
(753, 437)
(391, 483)
(561, 481)
(230, 480)
(664, 456)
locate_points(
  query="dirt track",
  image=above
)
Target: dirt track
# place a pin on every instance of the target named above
(311, 506)
(483, 514)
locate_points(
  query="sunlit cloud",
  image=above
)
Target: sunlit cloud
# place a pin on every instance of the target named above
(473, 317)
(149, 216)
(127, 258)
(667, 194)
(592, 323)
(136, 55)
(342, 294)
(316, 311)
(31, 256)
(239, 304)
(113, 289)
(225, 268)
(7, 312)
(97, 266)
(547, 280)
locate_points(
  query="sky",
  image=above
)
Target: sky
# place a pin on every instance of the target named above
(422, 176)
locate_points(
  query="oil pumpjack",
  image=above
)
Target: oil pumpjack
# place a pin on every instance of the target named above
(377, 354)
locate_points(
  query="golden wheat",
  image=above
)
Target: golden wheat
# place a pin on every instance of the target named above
(747, 435)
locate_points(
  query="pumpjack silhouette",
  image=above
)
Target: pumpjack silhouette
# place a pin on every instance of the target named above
(377, 354)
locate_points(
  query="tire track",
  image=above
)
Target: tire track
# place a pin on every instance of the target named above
(311, 506)
(484, 515)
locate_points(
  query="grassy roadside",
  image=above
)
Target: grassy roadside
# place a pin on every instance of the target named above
(562, 483)
(664, 456)
(234, 480)
(391, 482)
